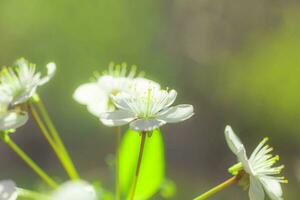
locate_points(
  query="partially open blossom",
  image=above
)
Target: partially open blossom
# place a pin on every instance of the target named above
(97, 95)
(8, 190)
(146, 109)
(262, 174)
(19, 83)
(75, 190)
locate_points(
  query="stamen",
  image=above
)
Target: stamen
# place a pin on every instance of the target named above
(258, 148)
(111, 68)
(148, 102)
(132, 71)
(123, 69)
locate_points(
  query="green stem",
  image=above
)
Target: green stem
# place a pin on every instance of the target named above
(31, 163)
(137, 172)
(50, 140)
(220, 187)
(28, 194)
(57, 139)
(118, 138)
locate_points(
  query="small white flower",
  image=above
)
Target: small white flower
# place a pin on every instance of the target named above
(146, 109)
(262, 173)
(8, 190)
(75, 190)
(11, 119)
(97, 95)
(20, 83)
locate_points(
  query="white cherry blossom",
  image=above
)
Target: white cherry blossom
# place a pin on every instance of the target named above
(96, 95)
(263, 175)
(146, 109)
(19, 83)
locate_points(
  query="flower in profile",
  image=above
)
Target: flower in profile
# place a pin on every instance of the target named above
(11, 119)
(19, 83)
(146, 108)
(263, 175)
(96, 95)
(75, 190)
(8, 190)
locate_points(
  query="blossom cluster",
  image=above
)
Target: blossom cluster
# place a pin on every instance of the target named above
(18, 85)
(118, 96)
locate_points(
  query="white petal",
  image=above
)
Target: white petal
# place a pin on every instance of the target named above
(177, 113)
(120, 101)
(51, 69)
(113, 85)
(272, 187)
(140, 85)
(242, 157)
(232, 140)
(146, 124)
(95, 98)
(27, 94)
(171, 98)
(8, 190)
(12, 120)
(4, 97)
(75, 190)
(256, 191)
(117, 118)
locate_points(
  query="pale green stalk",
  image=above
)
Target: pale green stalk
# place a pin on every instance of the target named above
(220, 187)
(56, 137)
(30, 162)
(52, 143)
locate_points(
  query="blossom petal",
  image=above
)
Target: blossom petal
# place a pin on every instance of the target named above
(140, 85)
(233, 141)
(146, 124)
(8, 190)
(256, 191)
(117, 118)
(120, 101)
(171, 98)
(27, 94)
(242, 157)
(75, 190)
(177, 113)
(5, 98)
(272, 187)
(95, 98)
(51, 69)
(12, 120)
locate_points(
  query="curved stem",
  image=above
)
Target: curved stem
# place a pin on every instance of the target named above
(31, 163)
(137, 172)
(118, 138)
(57, 138)
(220, 187)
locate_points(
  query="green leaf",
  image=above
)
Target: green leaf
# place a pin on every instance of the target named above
(152, 172)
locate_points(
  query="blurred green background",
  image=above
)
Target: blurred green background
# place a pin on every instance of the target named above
(237, 62)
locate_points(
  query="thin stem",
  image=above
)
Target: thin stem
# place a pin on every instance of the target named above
(50, 140)
(220, 187)
(118, 138)
(28, 194)
(57, 138)
(137, 172)
(31, 163)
